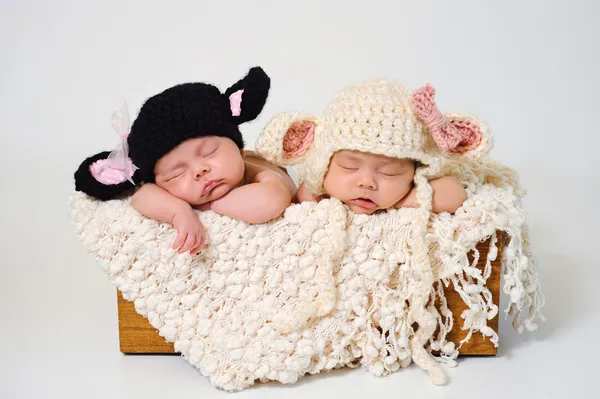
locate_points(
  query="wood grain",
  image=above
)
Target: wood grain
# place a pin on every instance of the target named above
(477, 344)
(137, 336)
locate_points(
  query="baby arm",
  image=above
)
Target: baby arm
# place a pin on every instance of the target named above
(448, 195)
(156, 203)
(258, 202)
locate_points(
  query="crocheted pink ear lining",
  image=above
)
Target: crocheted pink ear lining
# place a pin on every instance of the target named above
(449, 135)
(470, 135)
(235, 102)
(112, 171)
(298, 139)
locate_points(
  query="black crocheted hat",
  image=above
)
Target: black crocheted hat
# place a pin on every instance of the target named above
(182, 112)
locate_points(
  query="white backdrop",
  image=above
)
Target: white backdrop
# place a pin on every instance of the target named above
(529, 68)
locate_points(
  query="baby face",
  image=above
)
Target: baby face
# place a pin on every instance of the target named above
(201, 170)
(368, 182)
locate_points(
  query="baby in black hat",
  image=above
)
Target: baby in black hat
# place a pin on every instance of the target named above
(186, 149)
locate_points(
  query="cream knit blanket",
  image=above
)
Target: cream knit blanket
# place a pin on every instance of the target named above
(320, 287)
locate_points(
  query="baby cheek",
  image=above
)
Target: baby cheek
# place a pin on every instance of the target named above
(337, 186)
(182, 189)
(405, 188)
(163, 185)
(229, 171)
(392, 192)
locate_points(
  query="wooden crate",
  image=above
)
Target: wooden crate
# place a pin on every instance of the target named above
(137, 336)
(477, 344)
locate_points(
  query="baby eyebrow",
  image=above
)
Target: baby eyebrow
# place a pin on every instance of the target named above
(350, 158)
(393, 162)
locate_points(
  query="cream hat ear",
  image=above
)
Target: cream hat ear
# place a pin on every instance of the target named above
(287, 138)
(453, 133)
(475, 135)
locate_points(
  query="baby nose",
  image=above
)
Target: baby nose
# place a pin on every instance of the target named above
(201, 170)
(367, 181)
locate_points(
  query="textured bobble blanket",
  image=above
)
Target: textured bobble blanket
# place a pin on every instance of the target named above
(320, 287)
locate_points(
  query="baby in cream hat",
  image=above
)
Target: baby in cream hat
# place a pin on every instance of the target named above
(376, 147)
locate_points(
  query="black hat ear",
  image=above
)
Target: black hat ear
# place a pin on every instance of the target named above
(87, 183)
(248, 96)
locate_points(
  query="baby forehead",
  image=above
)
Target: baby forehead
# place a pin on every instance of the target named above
(359, 156)
(188, 148)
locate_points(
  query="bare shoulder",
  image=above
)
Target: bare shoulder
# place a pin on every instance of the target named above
(262, 175)
(259, 170)
(256, 173)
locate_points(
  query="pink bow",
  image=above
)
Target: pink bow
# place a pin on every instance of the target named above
(445, 135)
(117, 167)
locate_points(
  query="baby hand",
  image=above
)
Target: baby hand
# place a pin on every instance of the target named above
(190, 232)
(304, 194)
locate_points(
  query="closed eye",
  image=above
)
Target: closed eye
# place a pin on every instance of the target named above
(389, 174)
(175, 175)
(348, 168)
(207, 151)
(212, 152)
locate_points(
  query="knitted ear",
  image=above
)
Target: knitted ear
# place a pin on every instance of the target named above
(298, 139)
(102, 183)
(475, 136)
(287, 138)
(248, 96)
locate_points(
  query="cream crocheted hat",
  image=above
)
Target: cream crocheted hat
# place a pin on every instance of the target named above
(377, 116)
